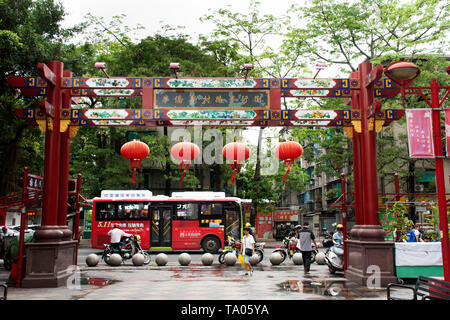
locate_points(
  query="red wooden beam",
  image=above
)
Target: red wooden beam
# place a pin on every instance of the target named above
(46, 73)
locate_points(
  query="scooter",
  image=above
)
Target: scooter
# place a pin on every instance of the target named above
(288, 249)
(334, 256)
(132, 246)
(235, 246)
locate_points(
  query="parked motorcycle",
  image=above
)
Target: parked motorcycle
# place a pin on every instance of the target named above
(288, 248)
(132, 246)
(334, 256)
(235, 246)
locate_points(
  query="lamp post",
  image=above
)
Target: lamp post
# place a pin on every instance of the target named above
(404, 73)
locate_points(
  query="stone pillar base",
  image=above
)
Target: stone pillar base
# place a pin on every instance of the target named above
(367, 260)
(47, 263)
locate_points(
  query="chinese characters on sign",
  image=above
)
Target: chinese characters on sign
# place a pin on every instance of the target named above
(35, 182)
(420, 133)
(289, 215)
(211, 99)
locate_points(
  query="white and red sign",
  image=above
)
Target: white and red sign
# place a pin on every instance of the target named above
(420, 133)
(285, 215)
(264, 225)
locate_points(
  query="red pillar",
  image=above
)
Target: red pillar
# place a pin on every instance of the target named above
(368, 151)
(440, 184)
(344, 216)
(357, 177)
(23, 216)
(64, 167)
(366, 251)
(52, 162)
(77, 215)
(51, 255)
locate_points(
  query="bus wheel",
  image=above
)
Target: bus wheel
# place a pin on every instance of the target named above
(211, 244)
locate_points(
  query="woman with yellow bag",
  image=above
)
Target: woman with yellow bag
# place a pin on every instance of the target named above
(247, 249)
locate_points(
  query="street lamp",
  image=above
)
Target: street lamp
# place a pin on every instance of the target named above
(174, 66)
(404, 73)
(247, 67)
(101, 66)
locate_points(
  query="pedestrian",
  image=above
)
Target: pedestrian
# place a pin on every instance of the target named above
(411, 234)
(417, 233)
(252, 232)
(305, 237)
(247, 249)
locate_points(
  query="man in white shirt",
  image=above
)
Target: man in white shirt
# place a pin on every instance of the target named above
(116, 234)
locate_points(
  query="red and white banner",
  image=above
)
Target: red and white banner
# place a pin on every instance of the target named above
(420, 133)
(447, 130)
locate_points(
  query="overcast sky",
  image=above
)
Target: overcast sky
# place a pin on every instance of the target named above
(152, 14)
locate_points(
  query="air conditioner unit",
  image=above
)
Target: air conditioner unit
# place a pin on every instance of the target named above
(418, 187)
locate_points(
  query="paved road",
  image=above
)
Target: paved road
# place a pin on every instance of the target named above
(198, 282)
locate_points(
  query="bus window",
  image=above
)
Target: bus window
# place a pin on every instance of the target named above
(104, 211)
(232, 223)
(205, 210)
(211, 210)
(187, 211)
(121, 211)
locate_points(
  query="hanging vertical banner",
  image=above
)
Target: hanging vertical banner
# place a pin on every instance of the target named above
(447, 129)
(420, 133)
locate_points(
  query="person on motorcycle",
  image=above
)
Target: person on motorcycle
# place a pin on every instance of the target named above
(297, 230)
(116, 234)
(6, 232)
(338, 237)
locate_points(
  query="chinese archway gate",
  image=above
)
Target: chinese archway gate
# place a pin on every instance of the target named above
(230, 102)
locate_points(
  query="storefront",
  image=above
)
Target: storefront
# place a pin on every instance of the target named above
(284, 223)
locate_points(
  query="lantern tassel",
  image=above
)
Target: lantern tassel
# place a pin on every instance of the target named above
(286, 174)
(287, 164)
(236, 167)
(133, 178)
(186, 167)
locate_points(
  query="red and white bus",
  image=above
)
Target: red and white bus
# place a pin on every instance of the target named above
(184, 221)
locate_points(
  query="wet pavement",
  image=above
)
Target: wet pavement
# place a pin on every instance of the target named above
(198, 282)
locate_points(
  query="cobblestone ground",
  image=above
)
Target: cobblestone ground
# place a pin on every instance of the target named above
(198, 282)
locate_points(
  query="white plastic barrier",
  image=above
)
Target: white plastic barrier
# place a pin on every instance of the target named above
(418, 254)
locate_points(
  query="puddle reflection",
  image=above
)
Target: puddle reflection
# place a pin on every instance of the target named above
(99, 282)
(323, 288)
(329, 288)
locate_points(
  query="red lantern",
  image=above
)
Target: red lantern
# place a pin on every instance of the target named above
(134, 151)
(236, 152)
(287, 152)
(185, 152)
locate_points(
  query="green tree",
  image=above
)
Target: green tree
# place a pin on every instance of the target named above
(30, 32)
(242, 38)
(149, 57)
(351, 32)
